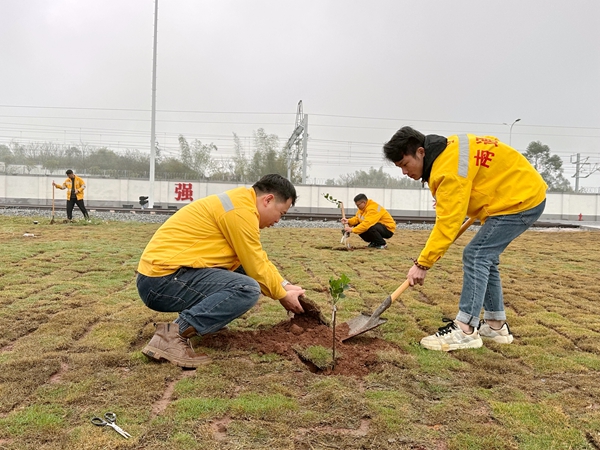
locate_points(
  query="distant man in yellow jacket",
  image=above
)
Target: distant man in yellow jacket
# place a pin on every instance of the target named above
(206, 262)
(75, 187)
(371, 222)
(478, 177)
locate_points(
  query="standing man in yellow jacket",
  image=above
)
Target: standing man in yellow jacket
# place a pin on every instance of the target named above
(75, 187)
(371, 222)
(478, 177)
(206, 262)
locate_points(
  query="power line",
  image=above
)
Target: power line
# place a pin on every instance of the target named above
(24, 127)
(318, 146)
(290, 113)
(147, 110)
(113, 119)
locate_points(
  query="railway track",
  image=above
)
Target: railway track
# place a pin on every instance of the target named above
(322, 217)
(289, 216)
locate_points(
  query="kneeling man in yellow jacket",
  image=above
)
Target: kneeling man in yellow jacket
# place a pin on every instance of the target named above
(206, 262)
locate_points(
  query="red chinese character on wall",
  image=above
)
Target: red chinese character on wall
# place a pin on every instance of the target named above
(184, 191)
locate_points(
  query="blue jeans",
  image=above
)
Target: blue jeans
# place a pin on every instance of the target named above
(482, 287)
(207, 299)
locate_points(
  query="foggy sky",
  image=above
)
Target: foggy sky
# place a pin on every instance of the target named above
(362, 70)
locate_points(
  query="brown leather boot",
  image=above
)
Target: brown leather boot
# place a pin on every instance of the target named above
(189, 332)
(168, 344)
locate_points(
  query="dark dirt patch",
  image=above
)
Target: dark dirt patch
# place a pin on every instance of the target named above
(219, 428)
(57, 377)
(341, 249)
(358, 355)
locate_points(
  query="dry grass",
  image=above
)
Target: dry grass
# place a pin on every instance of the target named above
(73, 327)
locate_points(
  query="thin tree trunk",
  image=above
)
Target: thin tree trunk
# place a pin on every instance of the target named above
(333, 346)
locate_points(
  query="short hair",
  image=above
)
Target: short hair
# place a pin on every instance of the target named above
(277, 185)
(360, 197)
(69, 172)
(406, 141)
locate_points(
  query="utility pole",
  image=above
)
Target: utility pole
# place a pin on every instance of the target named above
(153, 125)
(305, 149)
(576, 176)
(581, 167)
(294, 140)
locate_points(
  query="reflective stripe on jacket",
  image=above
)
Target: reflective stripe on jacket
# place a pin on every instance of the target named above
(215, 231)
(371, 215)
(477, 176)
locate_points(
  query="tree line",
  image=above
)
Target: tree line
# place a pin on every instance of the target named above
(196, 161)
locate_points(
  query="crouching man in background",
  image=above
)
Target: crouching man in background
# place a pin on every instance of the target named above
(371, 222)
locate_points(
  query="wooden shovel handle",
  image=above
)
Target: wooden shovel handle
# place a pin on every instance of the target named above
(342, 208)
(464, 226)
(399, 291)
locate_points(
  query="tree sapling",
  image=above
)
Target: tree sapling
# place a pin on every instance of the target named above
(339, 204)
(337, 286)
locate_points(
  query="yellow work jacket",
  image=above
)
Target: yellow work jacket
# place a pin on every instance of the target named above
(371, 215)
(477, 176)
(79, 187)
(215, 231)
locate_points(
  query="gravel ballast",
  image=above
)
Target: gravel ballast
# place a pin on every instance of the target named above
(60, 215)
(160, 218)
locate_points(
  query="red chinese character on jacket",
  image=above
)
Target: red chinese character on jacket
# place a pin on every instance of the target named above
(483, 157)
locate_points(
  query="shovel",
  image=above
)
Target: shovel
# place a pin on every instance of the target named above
(364, 322)
(345, 234)
(52, 220)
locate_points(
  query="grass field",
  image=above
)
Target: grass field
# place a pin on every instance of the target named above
(72, 330)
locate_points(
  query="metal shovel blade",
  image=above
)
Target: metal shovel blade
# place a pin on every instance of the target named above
(362, 324)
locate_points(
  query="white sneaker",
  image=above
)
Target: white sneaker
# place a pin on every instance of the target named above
(501, 336)
(451, 337)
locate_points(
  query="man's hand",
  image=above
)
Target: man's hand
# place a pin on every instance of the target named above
(416, 276)
(348, 229)
(293, 287)
(290, 301)
(344, 221)
(53, 183)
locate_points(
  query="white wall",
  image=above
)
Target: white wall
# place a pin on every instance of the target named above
(103, 192)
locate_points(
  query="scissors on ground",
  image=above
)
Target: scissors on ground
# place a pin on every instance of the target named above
(109, 421)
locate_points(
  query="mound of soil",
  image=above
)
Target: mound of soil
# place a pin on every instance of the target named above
(357, 356)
